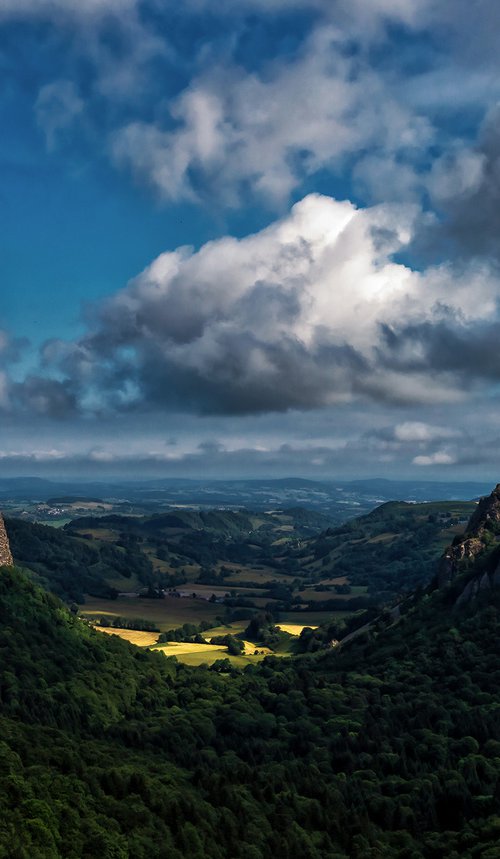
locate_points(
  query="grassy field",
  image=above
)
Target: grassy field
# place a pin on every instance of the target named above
(293, 628)
(168, 613)
(207, 654)
(220, 590)
(234, 628)
(311, 595)
(260, 577)
(340, 580)
(203, 654)
(124, 585)
(135, 636)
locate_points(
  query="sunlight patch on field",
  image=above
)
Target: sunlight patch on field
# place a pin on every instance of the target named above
(177, 648)
(234, 628)
(293, 628)
(199, 654)
(251, 647)
(135, 636)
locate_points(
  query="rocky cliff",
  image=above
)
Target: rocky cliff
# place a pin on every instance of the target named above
(476, 552)
(5, 553)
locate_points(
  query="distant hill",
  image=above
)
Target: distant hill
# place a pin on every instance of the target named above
(391, 550)
(339, 499)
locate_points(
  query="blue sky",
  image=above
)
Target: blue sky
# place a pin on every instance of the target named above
(253, 238)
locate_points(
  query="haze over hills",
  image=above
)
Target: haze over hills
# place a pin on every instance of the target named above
(339, 500)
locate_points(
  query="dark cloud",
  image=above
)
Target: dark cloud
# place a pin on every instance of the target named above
(12, 349)
(465, 184)
(469, 351)
(38, 396)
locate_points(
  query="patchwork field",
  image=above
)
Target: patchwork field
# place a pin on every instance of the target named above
(168, 613)
(204, 654)
(207, 654)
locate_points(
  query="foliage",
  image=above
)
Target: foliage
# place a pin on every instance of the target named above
(388, 748)
(392, 550)
(70, 566)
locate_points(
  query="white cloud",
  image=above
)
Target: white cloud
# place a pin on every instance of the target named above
(440, 457)
(416, 431)
(308, 312)
(269, 130)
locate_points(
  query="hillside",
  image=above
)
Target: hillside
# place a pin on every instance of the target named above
(70, 566)
(128, 572)
(390, 551)
(389, 747)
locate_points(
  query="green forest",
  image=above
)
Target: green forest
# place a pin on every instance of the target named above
(388, 746)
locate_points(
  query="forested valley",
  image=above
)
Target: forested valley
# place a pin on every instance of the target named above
(386, 746)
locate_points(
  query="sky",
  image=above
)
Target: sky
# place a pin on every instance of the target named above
(252, 239)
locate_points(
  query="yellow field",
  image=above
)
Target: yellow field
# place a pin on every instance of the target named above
(234, 628)
(207, 654)
(179, 648)
(135, 636)
(293, 628)
(250, 647)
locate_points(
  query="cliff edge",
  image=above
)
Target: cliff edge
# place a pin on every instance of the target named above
(5, 553)
(476, 552)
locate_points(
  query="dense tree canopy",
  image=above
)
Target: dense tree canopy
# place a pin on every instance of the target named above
(390, 747)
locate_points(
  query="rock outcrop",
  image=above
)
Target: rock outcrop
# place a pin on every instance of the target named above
(5, 553)
(481, 538)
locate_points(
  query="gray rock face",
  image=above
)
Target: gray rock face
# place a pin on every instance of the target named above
(5, 553)
(484, 522)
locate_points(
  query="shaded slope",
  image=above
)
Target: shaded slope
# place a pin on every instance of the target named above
(389, 749)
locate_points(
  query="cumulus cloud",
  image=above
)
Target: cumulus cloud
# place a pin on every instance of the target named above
(231, 131)
(309, 312)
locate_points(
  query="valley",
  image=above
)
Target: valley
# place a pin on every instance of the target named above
(183, 569)
(137, 745)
